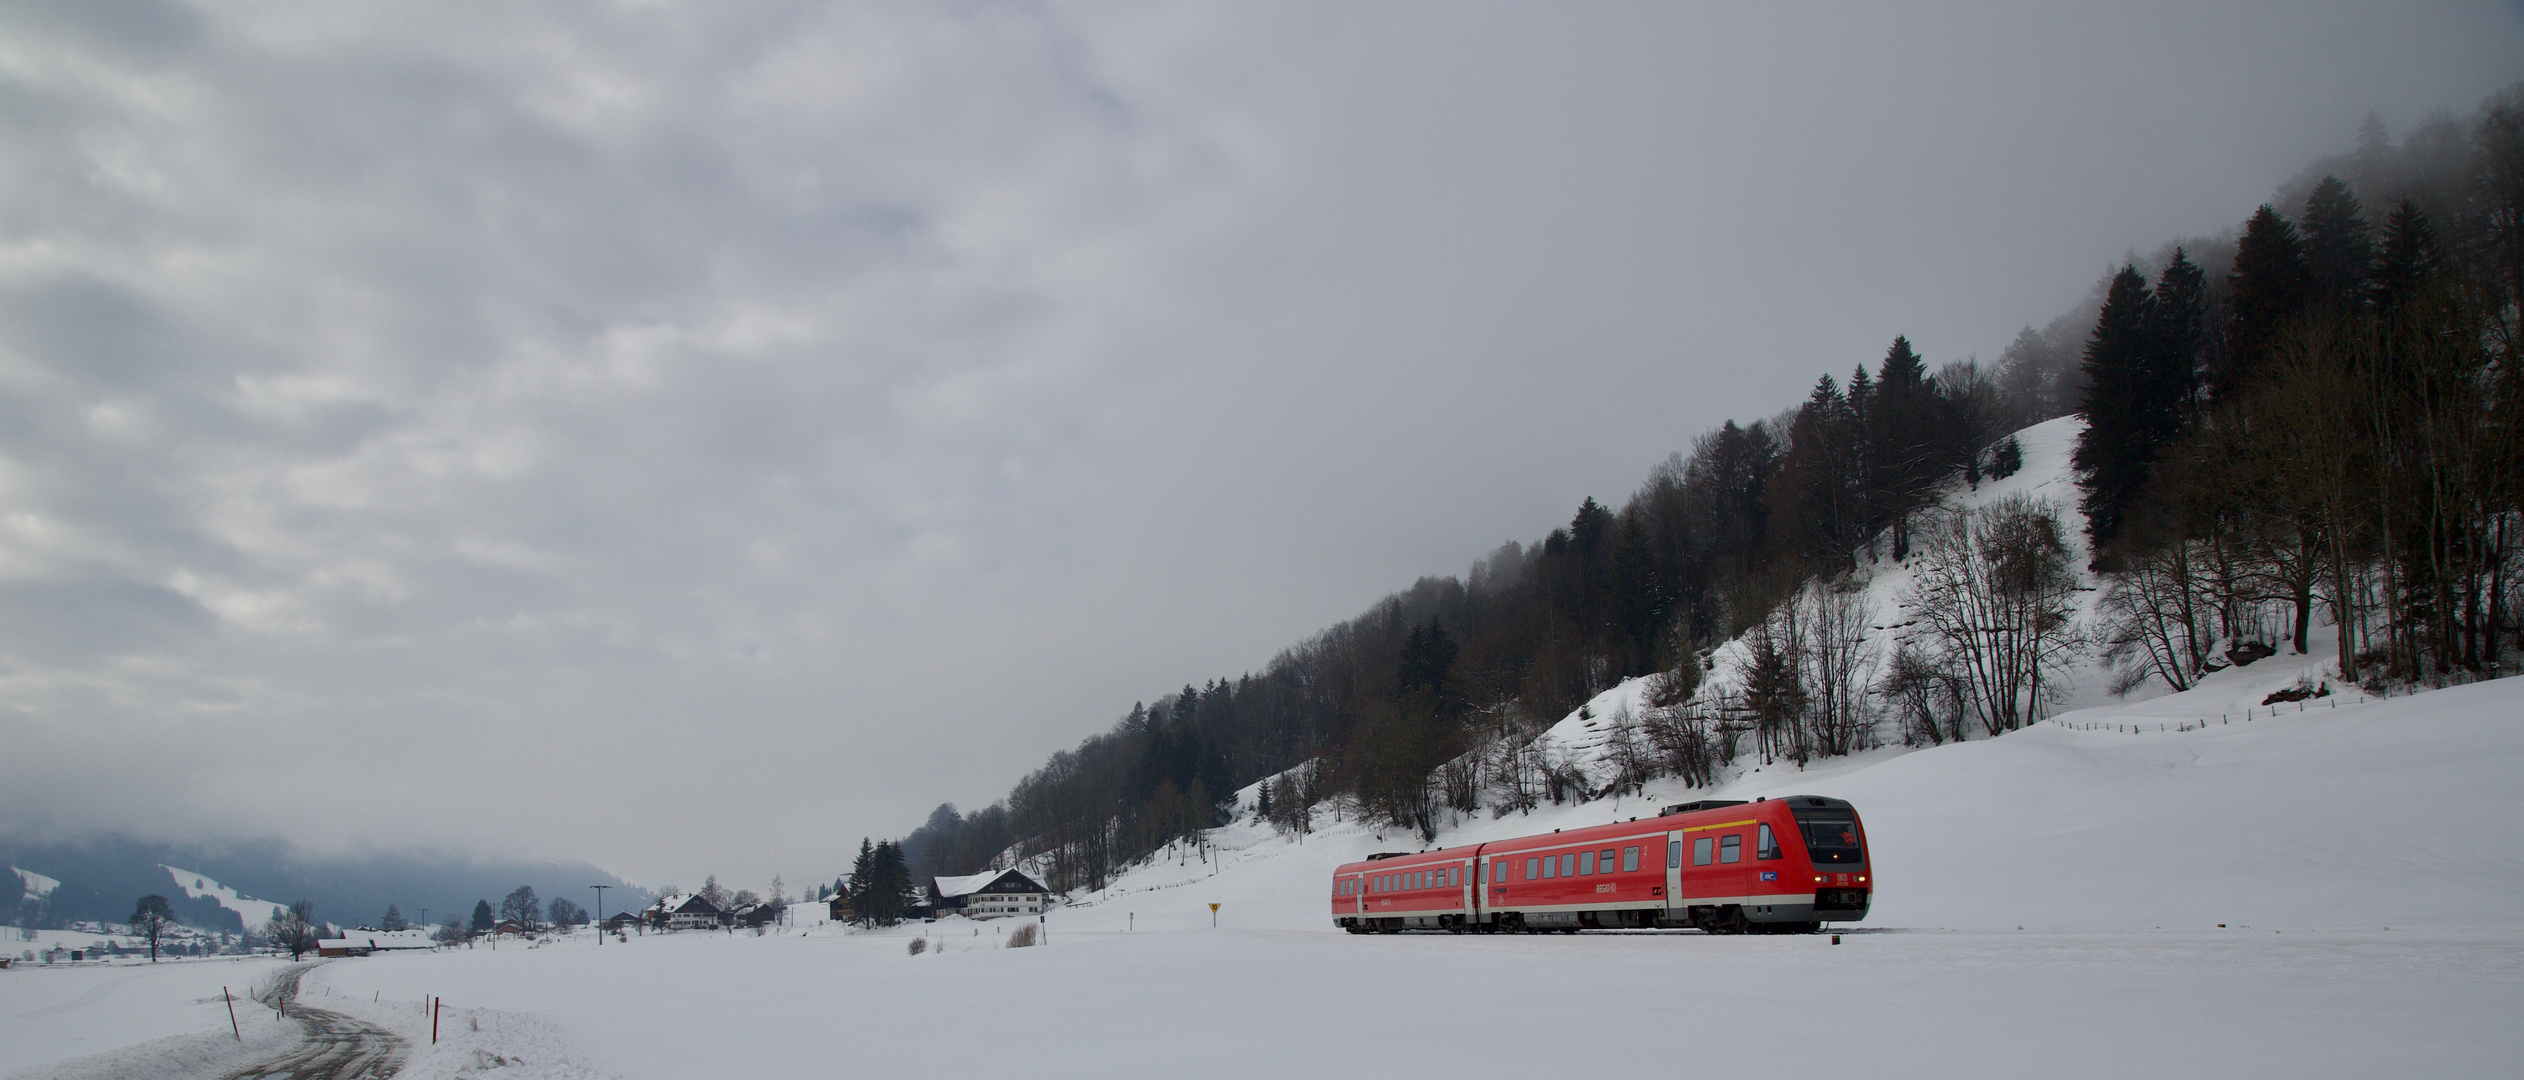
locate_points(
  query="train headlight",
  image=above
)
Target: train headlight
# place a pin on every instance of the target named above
(1820, 877)
(1862, 879)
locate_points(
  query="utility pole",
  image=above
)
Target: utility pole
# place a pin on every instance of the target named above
(600, 911)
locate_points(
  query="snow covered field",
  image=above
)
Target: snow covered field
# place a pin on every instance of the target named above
(2368, 862)
(158, 1015)
(1257, 1003)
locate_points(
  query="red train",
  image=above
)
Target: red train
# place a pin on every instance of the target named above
(1724, 865)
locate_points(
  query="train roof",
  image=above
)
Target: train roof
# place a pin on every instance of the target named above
(1676, 815)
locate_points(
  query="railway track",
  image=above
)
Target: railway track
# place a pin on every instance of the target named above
(336, 1047)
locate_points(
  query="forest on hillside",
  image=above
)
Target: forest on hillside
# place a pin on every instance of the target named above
(2314, 419)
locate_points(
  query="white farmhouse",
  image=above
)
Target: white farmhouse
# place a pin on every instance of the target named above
(989, 895)
(694, 912)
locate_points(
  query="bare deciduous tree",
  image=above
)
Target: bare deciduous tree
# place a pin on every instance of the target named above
(2154, 618)
(1834, 617)
(1995, 588)
(151, 918)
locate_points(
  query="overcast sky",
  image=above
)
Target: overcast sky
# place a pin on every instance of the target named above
(693, 437)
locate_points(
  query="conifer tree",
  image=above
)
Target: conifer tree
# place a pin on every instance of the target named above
(2409, 256)
(2268, 284)
(2114, 451)
(2176, 340)
(483, 919)
(2339, 255)
(1913, 439)
(862, 881)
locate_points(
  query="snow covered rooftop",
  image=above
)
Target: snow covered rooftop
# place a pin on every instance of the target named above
(950, 887)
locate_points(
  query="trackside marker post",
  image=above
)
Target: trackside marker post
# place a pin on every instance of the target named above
(433, 1020)
(1213, 916)
(232, 1014)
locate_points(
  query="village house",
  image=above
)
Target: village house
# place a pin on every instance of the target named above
(992, 894)
(694, 912)
(364, 942)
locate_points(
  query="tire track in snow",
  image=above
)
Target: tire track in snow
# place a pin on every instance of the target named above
(336, 1047)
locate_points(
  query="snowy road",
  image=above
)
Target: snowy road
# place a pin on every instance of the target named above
(335, 1046)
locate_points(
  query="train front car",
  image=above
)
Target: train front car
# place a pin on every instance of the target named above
(1836, 854)
(1777, 866)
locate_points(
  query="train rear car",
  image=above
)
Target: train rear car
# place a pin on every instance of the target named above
(1429, 890)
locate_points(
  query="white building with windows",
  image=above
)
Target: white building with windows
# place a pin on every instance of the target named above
(994, 894)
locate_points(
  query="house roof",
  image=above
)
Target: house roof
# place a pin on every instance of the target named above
(397, 939)
(951, 887)
(696, 904)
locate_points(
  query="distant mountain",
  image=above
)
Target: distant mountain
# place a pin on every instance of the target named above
(230, 886)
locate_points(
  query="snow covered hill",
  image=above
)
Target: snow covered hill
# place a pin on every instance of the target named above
(2353, 812)
(254, 912)
(2365, 813)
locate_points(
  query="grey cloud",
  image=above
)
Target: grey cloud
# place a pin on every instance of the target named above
(895, 393)
(75, 624)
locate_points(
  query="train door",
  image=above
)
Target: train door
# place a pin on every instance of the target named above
(1358, 895)
(1675, 850)
(1480, 892)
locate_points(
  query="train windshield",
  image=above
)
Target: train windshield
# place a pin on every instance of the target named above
(1831, 839)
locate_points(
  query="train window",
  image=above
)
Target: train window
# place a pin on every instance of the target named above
(1700, 851)
(1568, 864)
(1498, 873)
(1604, 862)
(1769, 846)
(1731, 848)
(1831, 840)
(1550, 867)
(1629, 859)
(1586, 862)
(1531, 874)
(1673, 853)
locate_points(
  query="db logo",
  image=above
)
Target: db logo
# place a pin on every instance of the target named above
(1770, 875)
